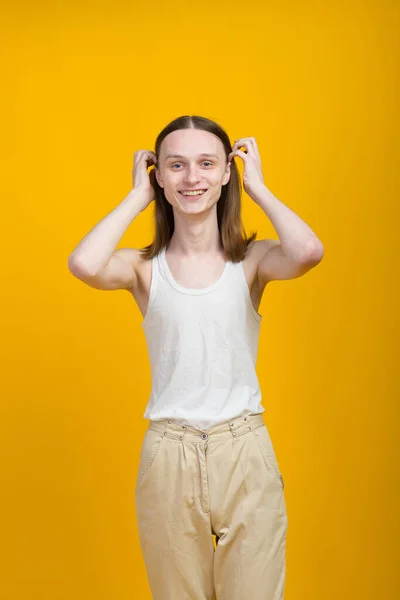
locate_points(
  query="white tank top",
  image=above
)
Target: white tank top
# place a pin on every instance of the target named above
(202, 346)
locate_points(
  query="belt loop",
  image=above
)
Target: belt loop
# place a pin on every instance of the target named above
(231, 426)
(249, 422)
(184, 429)
(243, 424)
(164, 433)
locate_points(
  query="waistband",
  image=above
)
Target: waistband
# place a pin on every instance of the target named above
(233, 428)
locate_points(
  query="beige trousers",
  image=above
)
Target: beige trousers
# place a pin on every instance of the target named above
(225, 482)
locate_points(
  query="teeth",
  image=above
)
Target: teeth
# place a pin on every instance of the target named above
(198, 193)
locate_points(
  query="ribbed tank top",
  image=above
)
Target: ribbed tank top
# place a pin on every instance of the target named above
(202, 346)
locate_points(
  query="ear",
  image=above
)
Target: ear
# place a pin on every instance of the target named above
(227, 174)
(158, 176)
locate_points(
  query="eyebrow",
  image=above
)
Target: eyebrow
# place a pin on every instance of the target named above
(200, 155)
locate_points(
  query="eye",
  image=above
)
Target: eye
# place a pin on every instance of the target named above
(208, 162)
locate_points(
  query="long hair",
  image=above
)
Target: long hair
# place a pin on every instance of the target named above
(232, 232)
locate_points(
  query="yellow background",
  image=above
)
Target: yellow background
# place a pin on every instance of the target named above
(85, 85)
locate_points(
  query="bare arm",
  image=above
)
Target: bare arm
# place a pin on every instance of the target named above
(97, 247)
(95, 260)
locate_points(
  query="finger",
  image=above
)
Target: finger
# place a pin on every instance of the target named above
(147, 156)
(243, 155)
(238, 145)
(244, 139)
(254, 143)
(141, 153)
(254, 147)
(243, 143)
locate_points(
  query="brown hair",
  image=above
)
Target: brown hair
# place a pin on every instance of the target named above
(230, 225)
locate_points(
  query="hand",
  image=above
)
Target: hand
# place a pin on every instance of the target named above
(252, 175)
(143, 159)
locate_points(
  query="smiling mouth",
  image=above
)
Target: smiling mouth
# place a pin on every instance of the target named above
(193, 193)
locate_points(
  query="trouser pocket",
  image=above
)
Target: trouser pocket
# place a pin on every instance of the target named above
(264, 443)
(150, 448)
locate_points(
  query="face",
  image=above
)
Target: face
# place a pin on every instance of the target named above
(192, 159)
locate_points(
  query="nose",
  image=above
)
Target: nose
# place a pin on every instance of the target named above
(192, 175)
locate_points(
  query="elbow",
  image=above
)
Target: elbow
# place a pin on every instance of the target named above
(314, 253)
(77, 268)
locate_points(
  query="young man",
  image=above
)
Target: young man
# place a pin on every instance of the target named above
(207, 464)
